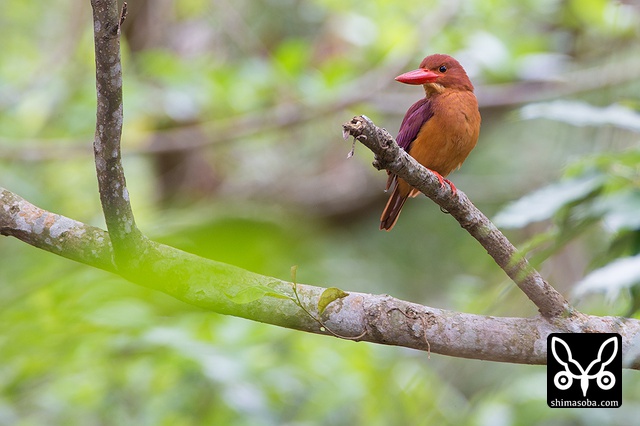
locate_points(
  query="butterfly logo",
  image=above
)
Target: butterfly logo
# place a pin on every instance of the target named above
(595, 370)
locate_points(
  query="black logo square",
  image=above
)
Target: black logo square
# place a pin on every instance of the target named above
(584, 370)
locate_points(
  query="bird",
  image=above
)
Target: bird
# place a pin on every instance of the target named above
(439, 130)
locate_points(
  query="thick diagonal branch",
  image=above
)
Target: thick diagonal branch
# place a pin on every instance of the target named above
(389, 156)
(374, 318)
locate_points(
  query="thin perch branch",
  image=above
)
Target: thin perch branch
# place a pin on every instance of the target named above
(389, 156)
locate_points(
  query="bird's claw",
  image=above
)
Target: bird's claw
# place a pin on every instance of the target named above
(454, 190)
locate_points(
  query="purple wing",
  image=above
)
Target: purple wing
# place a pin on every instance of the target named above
(416, 116)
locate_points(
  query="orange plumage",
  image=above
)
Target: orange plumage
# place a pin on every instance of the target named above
(439, 131)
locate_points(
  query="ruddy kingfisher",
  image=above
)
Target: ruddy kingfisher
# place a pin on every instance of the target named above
(439, 130)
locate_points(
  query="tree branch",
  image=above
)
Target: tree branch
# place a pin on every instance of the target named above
(389, 156)
(114, 195)
(373, 318)
(54, 233)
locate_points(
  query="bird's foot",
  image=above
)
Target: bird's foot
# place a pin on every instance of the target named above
(454, 190)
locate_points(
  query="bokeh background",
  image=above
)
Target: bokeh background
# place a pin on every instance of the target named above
(233, 150)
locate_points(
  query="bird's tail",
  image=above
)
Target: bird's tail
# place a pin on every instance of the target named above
(392, 210)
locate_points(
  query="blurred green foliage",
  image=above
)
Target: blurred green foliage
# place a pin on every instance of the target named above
(261, 87)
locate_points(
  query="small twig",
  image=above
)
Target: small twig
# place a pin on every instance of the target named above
(123, 13)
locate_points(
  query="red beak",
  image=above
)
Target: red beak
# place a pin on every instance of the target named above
(419, 76)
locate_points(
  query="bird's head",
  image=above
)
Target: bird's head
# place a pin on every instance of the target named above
(438, 73)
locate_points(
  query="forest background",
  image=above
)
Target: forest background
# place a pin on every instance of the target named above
(233, 150)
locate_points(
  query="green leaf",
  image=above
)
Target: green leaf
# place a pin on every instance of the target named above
(253, 293)
(579, 113)
(619, 210)
(545, 202)
(328, 296)
(611, 279)
(292, 55)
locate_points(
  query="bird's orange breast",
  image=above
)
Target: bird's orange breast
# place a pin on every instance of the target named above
(447, 138)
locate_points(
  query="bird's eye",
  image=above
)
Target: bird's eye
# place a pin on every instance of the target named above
(442, 68)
